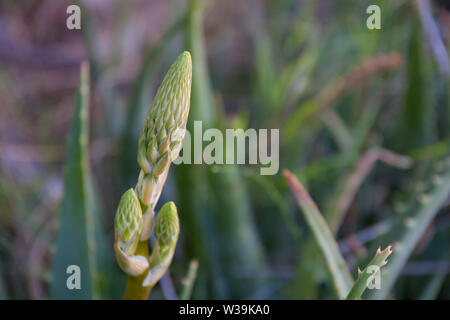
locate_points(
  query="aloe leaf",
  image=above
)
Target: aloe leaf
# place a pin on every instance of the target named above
(416, 131)
(409, 229)
(436, 281)
(192, 180)
(335, 262)
(109, 280)
(265, 77)
(75, 241)
(214, 206)
(365, 276)
(434, 285)
(201, 86)
(240, 250)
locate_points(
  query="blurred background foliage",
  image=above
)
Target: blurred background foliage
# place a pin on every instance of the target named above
(338, 92)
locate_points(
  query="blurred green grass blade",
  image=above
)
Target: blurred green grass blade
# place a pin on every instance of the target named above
(295, 78)
(309, 272)
(101, 75)
(275, 196)
(447, 133)
(196, 222)
(215, 204)
(89, 33)
(74, 245)
(201, 91)
(436, 281)
(336, 263)
(109, 280)
(431, 291)
(240, 249)
(272, 91)
(307, 111)
(338, 129)
(3, 295)
(295, 121)
(432, 151)
(189, 281)
(416, 131)
(264, 79)
(351, 182)
(193, 188)
(409, 230)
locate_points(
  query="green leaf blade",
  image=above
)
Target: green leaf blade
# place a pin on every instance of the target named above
(409, 235)
(74, 244)
(336, 263)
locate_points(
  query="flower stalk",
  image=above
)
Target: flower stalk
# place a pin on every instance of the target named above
(159, 144)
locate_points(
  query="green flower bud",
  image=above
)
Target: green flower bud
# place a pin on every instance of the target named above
(167, 229)
(128, 227)
(161, 137)
(128, 222)
(167, 225)
(168, 113)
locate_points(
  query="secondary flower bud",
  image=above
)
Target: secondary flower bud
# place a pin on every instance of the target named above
(167, 229)
(128, 222)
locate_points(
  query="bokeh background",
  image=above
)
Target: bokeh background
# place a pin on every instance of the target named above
(364, 116)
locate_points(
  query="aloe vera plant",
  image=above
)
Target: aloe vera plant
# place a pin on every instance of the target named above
(344, 285)
(413, 221)
(160, 142)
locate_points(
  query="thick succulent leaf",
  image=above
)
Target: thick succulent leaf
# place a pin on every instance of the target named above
(365, 276)
(336, 263)
(75, 243)
(409, 228)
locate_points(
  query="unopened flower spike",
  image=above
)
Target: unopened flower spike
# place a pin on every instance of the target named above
(161, 137)
(160, 142)
(167, 229)
(128, 227)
